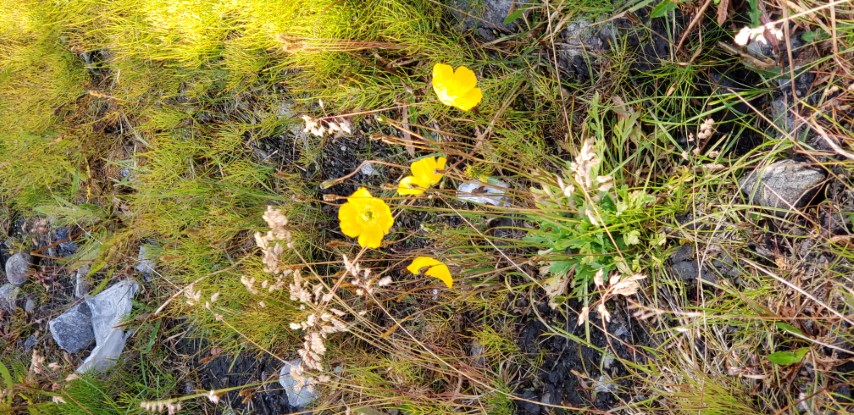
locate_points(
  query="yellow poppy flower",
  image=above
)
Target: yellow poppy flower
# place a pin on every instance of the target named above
(365, 217)
(425, 173)
(456, 88)
(435, 268)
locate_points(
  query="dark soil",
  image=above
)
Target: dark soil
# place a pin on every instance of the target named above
(572, 374)
(256, 375)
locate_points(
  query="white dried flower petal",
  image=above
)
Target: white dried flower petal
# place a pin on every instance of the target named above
(743, 36)
(345, 126)
(213, 397)
(599, 279)
(628, 286)
(603, 311)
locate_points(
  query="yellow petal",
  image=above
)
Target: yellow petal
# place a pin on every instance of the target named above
(436, 174)
(348, 218)
(423, 168)
(408, 186)
(464, 80)
(442, 93)
(371, 237)
(443, 80)
(435, 268)
(358, 195)
(442, 74)
(424, 171)
(382, 215)
(421, 262)
(440, 163)
(469, 100)
(441, 272)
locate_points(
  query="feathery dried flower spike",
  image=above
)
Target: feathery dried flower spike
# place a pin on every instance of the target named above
(435, 269)
(456, 88)
(425, 173)
(365, 217)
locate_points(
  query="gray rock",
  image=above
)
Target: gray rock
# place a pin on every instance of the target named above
(684, 266)
(72, 330)
(297, 397)
(485, 16)
(82, 282)
(477, 352)
(369, 170)
(67, 247)
(111, 305)
(785, 185)
(30, 342)
(761, 50)
(784, 119)
(604, 384)
(781, 116)
(607, 361)
(30, 305)
(18, 267)
(8, 295)
(582, 46)
(145, 261)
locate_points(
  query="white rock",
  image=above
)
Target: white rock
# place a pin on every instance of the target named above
(297, 397)
(108, 308)
(490, 193)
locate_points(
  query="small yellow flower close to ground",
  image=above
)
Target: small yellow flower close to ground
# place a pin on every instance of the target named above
(435, 269)
(424, 175)
(456, 88)
(365, 217)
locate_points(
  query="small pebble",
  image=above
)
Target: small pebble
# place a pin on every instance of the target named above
(369, 170)
(30, 342)
(18, 268)
(82, 282)
(30, 306)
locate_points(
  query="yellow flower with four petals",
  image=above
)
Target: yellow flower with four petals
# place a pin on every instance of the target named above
(365, 217)
(425, 173)
(456, 88)
(432, 267)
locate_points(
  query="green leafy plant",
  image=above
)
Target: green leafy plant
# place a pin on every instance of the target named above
(585, 225)
(8, 386)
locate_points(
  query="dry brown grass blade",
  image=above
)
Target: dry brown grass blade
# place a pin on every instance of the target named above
(723, 11)
(407, 136)
(800, 290)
